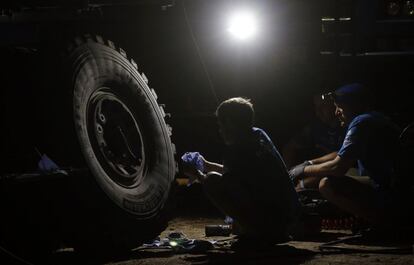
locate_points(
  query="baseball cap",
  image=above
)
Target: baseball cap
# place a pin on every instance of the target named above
(354, 93)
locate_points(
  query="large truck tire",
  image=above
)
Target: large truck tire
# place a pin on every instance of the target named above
(92, 111)
(126, 145)
(100, 114)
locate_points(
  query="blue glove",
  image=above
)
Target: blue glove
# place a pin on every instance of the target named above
(194, 159)
(46, 165)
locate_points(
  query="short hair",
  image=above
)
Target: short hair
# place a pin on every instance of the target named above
(239, 111)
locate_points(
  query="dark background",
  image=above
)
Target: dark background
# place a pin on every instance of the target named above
(280, 70)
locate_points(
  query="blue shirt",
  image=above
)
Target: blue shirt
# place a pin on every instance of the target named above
(256, 155)
(259, 167)
(371, 139)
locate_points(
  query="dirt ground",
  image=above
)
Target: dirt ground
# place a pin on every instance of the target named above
(194, 212)
(295, 252)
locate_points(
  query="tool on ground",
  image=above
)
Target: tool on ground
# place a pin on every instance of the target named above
(218, 230)
(177, 242)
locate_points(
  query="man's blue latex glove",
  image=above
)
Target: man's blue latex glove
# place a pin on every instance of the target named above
(195, 159)
(194, 166)
(297, 171)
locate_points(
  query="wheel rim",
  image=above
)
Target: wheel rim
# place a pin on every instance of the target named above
(116, 138)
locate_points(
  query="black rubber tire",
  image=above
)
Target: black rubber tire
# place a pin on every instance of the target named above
(117, 212)
(95, 211)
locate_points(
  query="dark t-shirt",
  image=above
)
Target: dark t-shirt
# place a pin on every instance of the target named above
(257, 165)
(319, 139)
(372, 140)
(315, 140)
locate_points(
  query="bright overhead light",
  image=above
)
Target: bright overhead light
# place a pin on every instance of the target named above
(242, 25)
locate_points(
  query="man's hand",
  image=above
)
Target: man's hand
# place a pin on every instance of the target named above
(197, 177)
(193, 174)
(296, 172)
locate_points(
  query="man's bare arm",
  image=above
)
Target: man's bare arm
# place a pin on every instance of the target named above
(335, 167)
(325, 158)
(211, 166)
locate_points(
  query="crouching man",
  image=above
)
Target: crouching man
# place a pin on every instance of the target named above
(252, 185)
(371, 142)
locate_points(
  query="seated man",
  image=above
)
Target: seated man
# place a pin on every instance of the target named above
(252, 185)
(371, 140)
(321, 136)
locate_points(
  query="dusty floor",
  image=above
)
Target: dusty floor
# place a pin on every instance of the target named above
(295, 252)
(291, 253)
(192, 205)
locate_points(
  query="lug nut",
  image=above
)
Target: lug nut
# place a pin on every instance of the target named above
(102, 118)
(99, 128)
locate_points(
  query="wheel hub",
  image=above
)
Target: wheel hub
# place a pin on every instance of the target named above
(116, 138)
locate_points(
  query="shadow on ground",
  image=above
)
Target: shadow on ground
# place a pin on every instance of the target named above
(280, 254)
(283, 254)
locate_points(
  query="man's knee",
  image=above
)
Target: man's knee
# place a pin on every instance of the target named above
(327, 187)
